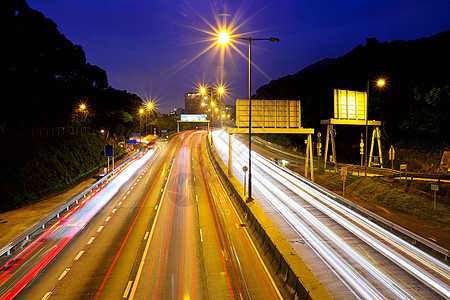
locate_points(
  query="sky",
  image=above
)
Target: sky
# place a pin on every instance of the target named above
(162, 49)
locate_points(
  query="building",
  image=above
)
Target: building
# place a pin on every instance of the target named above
(193, 103)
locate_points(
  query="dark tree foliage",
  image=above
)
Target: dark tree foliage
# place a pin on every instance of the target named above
(414, 107)
(48, 76)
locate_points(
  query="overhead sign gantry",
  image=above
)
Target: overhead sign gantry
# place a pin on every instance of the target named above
(272, 116)
(192, 118)
(350, 108)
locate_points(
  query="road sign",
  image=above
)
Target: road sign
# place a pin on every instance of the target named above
(391, 153)
(403, 166)
(131, 142)
(109, 150)
(435, 187)
(245, 169)
(135, 135)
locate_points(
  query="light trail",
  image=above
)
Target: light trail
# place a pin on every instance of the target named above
(20, 271)
(358, 269)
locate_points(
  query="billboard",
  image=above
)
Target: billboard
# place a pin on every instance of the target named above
(350, 105)
(269, 113)
(193, 118)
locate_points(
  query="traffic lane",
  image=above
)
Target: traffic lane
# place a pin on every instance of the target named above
(250, 277)
(169, 266)
(118, 282)
(358, 253)
(69, 259)
(30, 262)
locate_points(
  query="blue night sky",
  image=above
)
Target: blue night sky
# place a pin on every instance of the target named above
(152, 48)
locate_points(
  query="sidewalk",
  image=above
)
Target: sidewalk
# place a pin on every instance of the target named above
(16, 222)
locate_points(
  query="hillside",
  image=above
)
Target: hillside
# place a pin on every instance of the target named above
(414, 107)
(48, 165)
(47, 77)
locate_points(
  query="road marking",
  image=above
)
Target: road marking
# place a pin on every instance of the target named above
(201, 235)
(196, 197)
(91, 240)
(162, 190)
(127, 290)
(46, 296)
(108, 218)
(64, 273)
(156, 206)
(100, 228)
(79, 255)
(147, 246)
(194, 178)
(146, 235)
(114, 210)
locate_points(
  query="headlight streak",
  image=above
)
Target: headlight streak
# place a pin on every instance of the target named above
(59, 234)
(342, 216)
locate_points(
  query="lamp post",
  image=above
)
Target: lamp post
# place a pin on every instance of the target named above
(380, 83)
(250, 39)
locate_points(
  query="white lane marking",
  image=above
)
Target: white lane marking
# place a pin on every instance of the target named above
(147, 246)
(108, 218)
(100, 228)
(146, 235)
(79, 255)
(127, 290)
(46, 296)
(196, 197)
(194, 178)
(63, 274)
(201, 235)
(156, 206)
(114, 210)
(91, 240)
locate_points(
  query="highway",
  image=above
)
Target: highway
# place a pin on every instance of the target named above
(161, 228)
(352, 256)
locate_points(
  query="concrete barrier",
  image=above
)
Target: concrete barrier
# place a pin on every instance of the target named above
(291, 272)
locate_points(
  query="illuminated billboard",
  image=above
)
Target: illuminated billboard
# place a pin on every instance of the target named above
(269, 113)
(193, 118)
(350, 105)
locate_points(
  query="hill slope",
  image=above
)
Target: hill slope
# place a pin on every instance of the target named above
(415, 106)
(47, 165)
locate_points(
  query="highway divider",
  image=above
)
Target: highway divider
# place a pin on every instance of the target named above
(291, 272)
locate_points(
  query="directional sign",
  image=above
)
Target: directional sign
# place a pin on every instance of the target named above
(131, 142)
(391, 153)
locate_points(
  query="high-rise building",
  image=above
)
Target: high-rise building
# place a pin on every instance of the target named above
(193, 103)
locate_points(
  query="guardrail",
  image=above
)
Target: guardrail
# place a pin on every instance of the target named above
(392, 226)
(56, 214)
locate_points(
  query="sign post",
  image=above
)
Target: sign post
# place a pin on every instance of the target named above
(435, 188)
(392, 156)
(344, 177)
(109, 152)
(403, 167)
(245, 169)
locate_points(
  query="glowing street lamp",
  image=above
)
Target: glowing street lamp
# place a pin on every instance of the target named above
(82, 106)
(380, 83)
(225, 38)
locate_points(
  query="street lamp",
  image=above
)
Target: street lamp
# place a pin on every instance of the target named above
(224, 38)
(380, 83)
(141, 111)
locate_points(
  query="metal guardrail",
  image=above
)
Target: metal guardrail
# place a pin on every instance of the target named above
(60, 211)
(389, 224)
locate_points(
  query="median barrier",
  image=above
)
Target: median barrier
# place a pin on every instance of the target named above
(290, 270)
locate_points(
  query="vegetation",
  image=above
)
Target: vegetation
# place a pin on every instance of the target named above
(47, 78)
(414, 108)
(48, 165)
